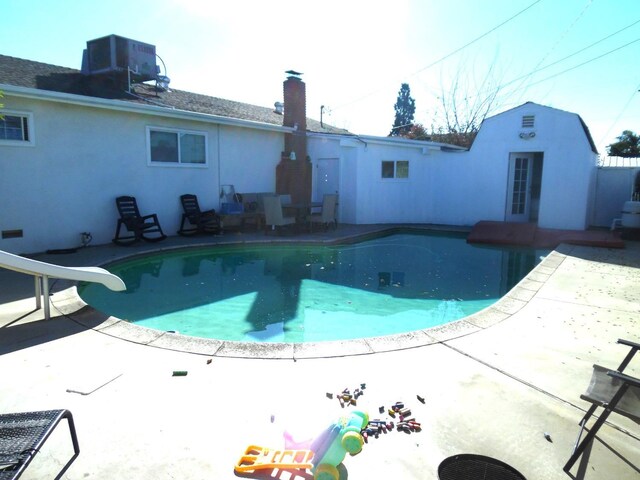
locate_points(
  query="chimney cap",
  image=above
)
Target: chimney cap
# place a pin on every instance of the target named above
(293, 73)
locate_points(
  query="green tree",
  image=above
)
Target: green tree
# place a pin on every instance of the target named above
(405, 108)
(628, 145)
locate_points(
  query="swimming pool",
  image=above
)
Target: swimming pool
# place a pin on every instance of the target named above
(295, 293)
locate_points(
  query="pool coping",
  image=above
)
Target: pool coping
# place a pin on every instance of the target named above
(68, 303)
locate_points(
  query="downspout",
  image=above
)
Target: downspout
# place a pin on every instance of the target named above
(219, 170)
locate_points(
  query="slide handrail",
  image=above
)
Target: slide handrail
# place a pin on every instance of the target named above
(42, 271)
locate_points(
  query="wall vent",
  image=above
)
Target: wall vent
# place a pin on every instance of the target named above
(12, 234)
(528, 121)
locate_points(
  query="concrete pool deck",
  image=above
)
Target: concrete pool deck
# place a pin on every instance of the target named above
(493, 384)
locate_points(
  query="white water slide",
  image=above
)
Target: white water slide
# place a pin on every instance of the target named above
(42, 271)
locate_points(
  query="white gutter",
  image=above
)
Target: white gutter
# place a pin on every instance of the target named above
(124, 106)
(387, 140)
(41, 272)
(409, 142)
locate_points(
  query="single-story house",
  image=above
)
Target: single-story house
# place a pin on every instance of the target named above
(73, 140)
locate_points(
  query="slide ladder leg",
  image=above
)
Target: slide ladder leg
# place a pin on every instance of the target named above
(38, 294)
(45, 297)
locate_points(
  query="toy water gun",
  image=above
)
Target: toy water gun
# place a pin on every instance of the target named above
(326, 452)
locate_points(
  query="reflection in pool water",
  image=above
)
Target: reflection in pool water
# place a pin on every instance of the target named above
(294, 293)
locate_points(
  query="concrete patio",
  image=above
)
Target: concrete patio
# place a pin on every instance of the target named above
(494, 384)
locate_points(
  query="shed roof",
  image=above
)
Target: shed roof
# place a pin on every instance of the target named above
(42, 76)
(584, 125)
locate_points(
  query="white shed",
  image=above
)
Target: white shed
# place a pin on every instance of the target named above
(543, 164)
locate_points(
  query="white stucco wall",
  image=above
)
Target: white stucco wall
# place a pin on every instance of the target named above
(462, 188)
(83, 158)
(249, 159)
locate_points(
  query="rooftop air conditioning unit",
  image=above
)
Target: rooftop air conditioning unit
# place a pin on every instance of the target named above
(114, 54)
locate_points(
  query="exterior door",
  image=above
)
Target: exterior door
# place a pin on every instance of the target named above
(327, 177)
(519, 191)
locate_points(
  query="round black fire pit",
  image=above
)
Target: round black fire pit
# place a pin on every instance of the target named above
(476, 467)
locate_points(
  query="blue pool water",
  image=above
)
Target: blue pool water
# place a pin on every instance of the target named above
(293, 293)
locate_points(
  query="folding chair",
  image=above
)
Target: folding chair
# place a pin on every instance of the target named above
(614, 392)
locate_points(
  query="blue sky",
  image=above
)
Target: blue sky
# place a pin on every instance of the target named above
(575, 55)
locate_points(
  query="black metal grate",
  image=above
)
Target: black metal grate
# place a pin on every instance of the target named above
(476, 467)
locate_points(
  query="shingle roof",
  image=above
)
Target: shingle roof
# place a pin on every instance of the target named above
(42, 76)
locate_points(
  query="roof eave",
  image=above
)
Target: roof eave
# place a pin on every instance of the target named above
(407, 142)
(120, 105)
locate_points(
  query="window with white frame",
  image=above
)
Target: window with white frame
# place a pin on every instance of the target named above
(176, 147)
(395, 169)
(16, 128)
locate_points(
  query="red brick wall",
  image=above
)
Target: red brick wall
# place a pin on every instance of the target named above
(294, 176)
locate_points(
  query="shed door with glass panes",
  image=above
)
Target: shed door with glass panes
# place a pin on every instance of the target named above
(519, 193)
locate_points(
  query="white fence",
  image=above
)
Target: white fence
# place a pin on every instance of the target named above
(618, 162)
(614, 186)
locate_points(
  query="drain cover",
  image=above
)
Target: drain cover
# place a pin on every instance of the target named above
(476, 467)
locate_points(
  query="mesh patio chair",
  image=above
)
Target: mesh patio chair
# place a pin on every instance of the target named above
(327, 215)
(614, 392)
(22, 436)
(273, 214)
(207, 221)
(139, 226)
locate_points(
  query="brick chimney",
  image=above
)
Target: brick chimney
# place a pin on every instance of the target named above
(294, 176)
(295, 114)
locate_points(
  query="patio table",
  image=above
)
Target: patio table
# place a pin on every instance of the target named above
(301, 209)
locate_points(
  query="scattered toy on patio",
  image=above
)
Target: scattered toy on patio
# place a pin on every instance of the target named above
(346, 398)
(403, 416)
(405, 422)
(322, 456)
(261, 458)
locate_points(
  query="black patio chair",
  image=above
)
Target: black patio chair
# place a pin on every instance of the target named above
(139, 226)
(201, 222)
(614, 392)
(22, 436)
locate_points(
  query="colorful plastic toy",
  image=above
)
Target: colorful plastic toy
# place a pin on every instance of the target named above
(260, 458)
(326, 452)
